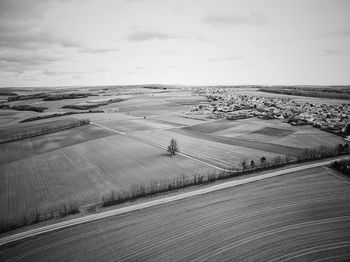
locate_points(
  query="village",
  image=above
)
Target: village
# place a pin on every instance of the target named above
(227, 103)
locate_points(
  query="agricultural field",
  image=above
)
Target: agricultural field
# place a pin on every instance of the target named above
(136, 125)
(53, 171)
(273, 132)
(177, 120)
(220, 154)
(82, 164)
(33, 146)
(302, 216)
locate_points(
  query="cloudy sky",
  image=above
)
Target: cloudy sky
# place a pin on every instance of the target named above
(93, 42)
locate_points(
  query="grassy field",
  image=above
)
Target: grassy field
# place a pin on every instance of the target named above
(177, 120)
(42, 144)
(229, 128)
(81, 173)
(303, 216)
(136, 125)
(273, 132)
(220, 154)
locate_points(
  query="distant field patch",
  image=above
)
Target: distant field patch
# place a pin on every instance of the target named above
(276, 132)
(25, 131)
(176, 119)
(210, 127)
(17, 150)
(311, 140)
(136, 125)
(187, 99)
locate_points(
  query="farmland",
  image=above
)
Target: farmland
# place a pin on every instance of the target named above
(273, 132)
(299, 216)
(221, 154)
(125, 145)
(80, 173)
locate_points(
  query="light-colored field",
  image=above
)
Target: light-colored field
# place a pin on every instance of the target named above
(84, 172)
(175, 119)
(303, 216)
(220, 154)
(229, 128)
(273, 132)
(311, 140)
(136, 125)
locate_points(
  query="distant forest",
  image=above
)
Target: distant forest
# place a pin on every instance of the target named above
(339, 92)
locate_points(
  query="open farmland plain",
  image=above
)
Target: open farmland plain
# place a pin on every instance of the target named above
(44, 179)
(220, 154)
(273, 132)
(301, 216)
(82, 164)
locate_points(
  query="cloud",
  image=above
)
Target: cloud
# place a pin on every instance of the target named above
(27, 61)
(335, 33)
(28, 58)
(331, 51)
(63, 72)
(144, 35)
(97, 50)
(226, 59)
(233, 19)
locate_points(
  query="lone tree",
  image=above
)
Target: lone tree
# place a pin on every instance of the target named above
(262, 161)
(173, 148)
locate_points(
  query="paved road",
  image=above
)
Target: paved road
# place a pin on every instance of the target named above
(124, 210)
(302, 216)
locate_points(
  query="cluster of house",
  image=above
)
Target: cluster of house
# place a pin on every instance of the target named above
(227, 103)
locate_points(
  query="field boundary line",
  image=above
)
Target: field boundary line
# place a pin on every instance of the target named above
(162, 147)
(157, 202)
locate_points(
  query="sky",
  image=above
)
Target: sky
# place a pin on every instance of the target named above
(190, 42)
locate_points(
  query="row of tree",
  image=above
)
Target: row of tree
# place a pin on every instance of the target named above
(307, 154)
(342, 166)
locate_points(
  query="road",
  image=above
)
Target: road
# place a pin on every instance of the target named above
(304, 215)
(165, 200)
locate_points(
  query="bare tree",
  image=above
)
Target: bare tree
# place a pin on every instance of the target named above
(173, 147)
(252, 164)
(244, 164)
(262, 161)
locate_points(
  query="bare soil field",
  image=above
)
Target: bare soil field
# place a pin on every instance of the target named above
(83, 173)
(303, 216)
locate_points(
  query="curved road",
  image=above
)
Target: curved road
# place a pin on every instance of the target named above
(119, 211)
(302, 216)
